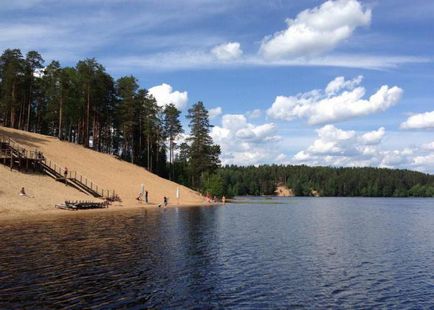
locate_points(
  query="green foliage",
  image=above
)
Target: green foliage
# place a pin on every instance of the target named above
(203, 155)
(84, 105)
(214, 185)
(172, 129)
(367, 182)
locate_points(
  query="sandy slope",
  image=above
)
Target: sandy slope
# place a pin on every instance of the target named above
(42, 193)
(104, 170)
(284, 191)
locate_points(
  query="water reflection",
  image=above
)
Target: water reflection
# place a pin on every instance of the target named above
(296, 252)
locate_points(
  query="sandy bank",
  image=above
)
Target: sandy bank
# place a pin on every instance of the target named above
(103, 169)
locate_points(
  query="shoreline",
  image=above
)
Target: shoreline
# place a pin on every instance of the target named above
(35, 215)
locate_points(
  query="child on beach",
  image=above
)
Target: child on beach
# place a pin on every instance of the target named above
(23, 193)
(164, 202)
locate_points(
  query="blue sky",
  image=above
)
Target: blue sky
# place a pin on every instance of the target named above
(338, 82)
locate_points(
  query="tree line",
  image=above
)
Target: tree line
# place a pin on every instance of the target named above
(326, 181)
(84, 104)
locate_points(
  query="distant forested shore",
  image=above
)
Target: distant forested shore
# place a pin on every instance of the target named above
(326, 181)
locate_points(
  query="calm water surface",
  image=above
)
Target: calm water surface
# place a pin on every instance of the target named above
(279, 253)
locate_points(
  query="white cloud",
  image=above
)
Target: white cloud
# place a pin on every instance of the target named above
(184, 60)
(244, 143)
(341, 100)
(165, 95)
(337, 147)
(256, 113)
(318, 30)
(428, 146)
(332, 141)
(340, 83)
(227, 51)
(424, 161)
(373, 137)
(214, 112)
(348, 148)
(60, 37)
(419, 121)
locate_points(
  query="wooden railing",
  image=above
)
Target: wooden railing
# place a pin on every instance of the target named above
(11, 152)
(20, 149)
(80, 180)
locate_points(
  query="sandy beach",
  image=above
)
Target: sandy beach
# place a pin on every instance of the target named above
(43, 192)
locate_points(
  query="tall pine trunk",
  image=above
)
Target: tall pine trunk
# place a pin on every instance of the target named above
(29, 106)
(86, 133)
(60, 135)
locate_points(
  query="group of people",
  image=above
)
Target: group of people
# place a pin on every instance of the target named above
(214, 199)
(143, 196)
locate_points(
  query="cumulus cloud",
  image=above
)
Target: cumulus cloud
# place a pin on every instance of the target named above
(227, 51)
(337, 147)
(341, 100)
(214, 112)
(419, 121)
(318, 30)
(424, 161)
(339, 83)
(348, 148)
(373, 137)
(165, 95)
(245, 143)
(428, 146)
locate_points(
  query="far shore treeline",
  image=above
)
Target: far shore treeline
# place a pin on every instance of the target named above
(326, 181)
(85, 105)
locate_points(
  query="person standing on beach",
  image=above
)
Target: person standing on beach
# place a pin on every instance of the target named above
(146, 196)
(65, 173)
(165, 201)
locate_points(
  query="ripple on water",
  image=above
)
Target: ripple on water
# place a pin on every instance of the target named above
(302, 253)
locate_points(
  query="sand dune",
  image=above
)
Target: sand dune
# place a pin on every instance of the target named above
(104, 170)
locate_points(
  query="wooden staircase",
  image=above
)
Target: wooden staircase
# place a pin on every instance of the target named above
(16, 156)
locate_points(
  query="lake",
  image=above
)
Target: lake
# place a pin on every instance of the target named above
(259, 253)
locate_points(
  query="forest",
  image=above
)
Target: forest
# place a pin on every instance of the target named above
(84, 104)
(326, 181)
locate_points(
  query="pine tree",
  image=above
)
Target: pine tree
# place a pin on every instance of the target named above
(33, 62)
(12, 70)
(204, 155)
(128, 107)
(89, 70)
(172, 128)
